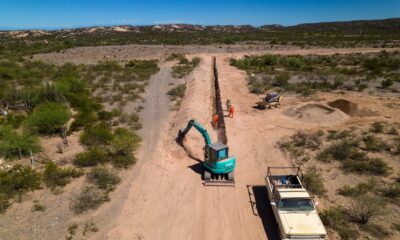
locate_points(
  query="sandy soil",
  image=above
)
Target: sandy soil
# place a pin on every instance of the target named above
(124, 53)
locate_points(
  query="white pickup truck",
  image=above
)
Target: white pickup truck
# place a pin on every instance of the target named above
(293, 207)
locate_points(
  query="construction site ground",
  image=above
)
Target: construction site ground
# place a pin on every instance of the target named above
(162, 196)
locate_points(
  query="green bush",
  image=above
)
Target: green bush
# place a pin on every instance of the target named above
(340, 150)
(391, 191)
(364, 208)
(282, 79)
(16, 182)
(374, 166)
(55, 176)
(377, 127)
(92, 157)
(99, 134)
(122, 146)
(82, 120)
(334, 218)
(375, 230)
(103, 178)
(89, 198)
(334, 135)
(361, 188)
(375, 144)
(314, 182)
(48, 118)
(177, 92)
(386, 83)
(17, 143)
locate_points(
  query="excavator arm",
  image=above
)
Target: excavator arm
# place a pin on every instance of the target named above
(192, 123)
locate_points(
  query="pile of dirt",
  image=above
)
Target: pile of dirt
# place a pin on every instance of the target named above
(351, 109)
(316, 113)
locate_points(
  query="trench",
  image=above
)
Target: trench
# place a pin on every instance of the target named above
(221, 130)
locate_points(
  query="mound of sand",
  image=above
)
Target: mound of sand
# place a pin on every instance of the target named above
(316, 113)
(351, 109)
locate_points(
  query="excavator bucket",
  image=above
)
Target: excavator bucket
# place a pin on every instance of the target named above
(223, 180)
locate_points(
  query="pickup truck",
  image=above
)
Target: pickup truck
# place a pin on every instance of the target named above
(293, 207)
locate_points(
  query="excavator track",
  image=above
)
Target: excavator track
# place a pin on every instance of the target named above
(224, 180)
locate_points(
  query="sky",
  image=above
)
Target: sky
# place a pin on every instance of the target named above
(55, 14)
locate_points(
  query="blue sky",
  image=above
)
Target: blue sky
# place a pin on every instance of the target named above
(77, 13)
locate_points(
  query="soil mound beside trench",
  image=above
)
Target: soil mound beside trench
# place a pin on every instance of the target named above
(351, 109)
(316, 113)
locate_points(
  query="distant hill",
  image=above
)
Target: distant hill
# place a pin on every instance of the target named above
(371, 33)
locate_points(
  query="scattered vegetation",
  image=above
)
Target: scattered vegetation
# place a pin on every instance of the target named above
(16, 182)
(89, 198)
(103, 178)
(48, 118)
(89, 227)
(310, 73)
(55, 176)
(37, 207)
(184, 67)
(15, 143)
(314, 182)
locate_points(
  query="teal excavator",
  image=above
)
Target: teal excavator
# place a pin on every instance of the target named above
(218, 165)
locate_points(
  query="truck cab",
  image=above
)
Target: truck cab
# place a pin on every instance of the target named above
(293, 207)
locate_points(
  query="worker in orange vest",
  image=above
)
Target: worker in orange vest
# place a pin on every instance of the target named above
(231, 111)
(215, 120)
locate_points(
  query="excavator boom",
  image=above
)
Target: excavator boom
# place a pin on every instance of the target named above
(198, 127)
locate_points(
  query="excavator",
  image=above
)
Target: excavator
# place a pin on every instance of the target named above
(218, 165)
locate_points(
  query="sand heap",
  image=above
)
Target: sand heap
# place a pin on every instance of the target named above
(316, 113)
(352, 109)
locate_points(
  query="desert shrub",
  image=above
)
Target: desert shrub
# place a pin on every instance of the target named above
(72, 231)
(175, 56)
(391, 191)
(122, 146)
(92, 157)
(386, 83)
(37, 206)
(375, 144)
(375, 230)
(177, 92)
(16, 182)
(55, 176)
(396, 226)
(334, 135)
(307, 140)
(184, 67)
(314, 182)
(89, 198)
(334, 218)
(340, 150)
(89, 227)
(374, 166)
(360, 189)
(17, 143)
(393, 131)
(259, 86)
(103, 178)
(98, 134)
(83, 119)
(282, 79)
(48, 118)
(364, 208)
(377, 127)
(134, 121)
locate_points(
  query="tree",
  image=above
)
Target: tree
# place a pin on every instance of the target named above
(14, 143)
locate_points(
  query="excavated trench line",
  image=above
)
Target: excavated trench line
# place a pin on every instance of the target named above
(218, 106)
